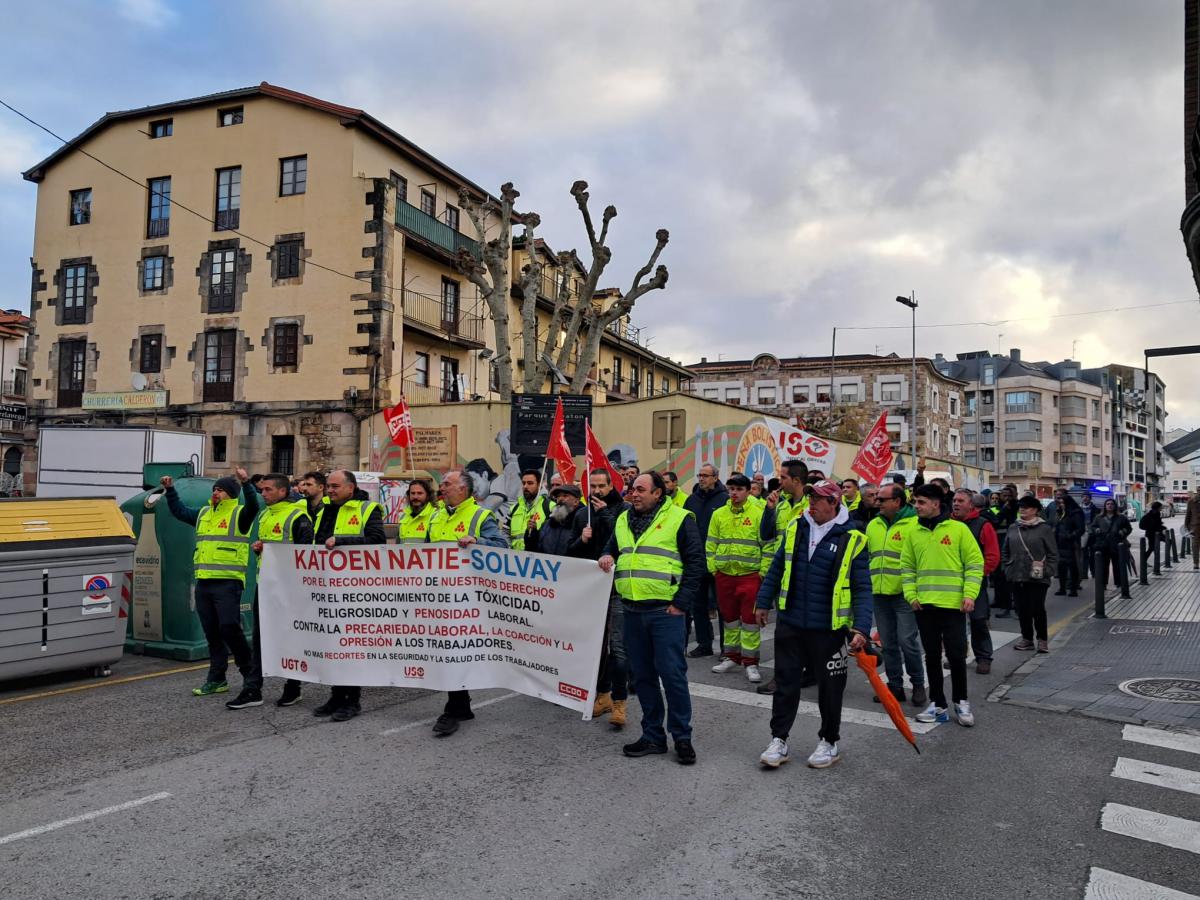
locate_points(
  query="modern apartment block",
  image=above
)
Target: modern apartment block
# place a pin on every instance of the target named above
(1139, 428)
(14, 386)
(279, 268)
(807, 389)
(1040, 425)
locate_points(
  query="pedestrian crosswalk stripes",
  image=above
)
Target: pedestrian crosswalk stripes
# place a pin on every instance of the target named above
(1175, 779)
(1105, 885)
(1156, 737)
(1147, 825)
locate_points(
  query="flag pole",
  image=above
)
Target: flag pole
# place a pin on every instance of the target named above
(587, 467)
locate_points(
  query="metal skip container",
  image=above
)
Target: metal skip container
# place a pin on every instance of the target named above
(66, 566)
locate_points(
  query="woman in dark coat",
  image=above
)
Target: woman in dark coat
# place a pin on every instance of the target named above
(1028, 558)
(1068, 529)
(1108, 531)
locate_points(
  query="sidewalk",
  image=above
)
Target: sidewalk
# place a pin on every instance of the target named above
(1140, 665)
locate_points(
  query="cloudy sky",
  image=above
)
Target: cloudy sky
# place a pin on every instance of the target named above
(1009, 161)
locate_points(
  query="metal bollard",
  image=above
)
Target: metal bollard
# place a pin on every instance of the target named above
(1174, 546)
(1157, 550)
(1123, 567)
(1143, 558)
(1166, 550)
(1099, 577)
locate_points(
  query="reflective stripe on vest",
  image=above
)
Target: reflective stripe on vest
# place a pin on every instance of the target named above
(351, 517)
(885, 542)
(221, 550)
(415, 529)
(733, 546)
(466, 520)
(851, 543)
(522, 514)
(941, 566)
(649, 566)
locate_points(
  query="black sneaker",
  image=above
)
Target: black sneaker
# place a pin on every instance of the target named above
(768, 688)
(246, 698)
(327, 708)
(346, 712)
(700, 652)
(685, 753)
(642, 747)
(290, 695)
(445, 726)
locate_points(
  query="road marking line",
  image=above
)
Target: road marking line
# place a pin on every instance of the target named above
(1156, 737)
(762, 701)
(108, 682)
(1063, 621)
(1158, 828)
(1175, 779)
(85, 817)
(1105, 885)
(474, 706)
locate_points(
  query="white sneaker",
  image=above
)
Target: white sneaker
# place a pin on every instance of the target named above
(933, 713)
(753, 675)
(776, 753)
(824, 756)
(726, 665)
(962, 710)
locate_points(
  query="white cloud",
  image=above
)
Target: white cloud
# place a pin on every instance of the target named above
(153, 14)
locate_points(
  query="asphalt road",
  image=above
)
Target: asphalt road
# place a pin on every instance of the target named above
(201, 802)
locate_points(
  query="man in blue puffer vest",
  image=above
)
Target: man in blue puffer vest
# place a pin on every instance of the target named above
(820, 581)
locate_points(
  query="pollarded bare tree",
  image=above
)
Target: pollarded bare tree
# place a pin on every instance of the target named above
(584, 320)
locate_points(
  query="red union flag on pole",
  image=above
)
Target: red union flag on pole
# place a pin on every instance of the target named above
(596, 458)
(399, 423)
(557, 448)
(874, 457)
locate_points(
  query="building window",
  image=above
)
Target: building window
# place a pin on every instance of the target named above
(1095, 409)
(493, 378)
(987, 454)
(283, 454)
(221, 285)
(230, 116)
(800, 396)
(766, 396)
(1023, 430)
(953, 401)
(970, 458)
(452, 216)
(428, 204)
(822, 393)
(635, 381)
(1022, 401)
(889, 392)
(158, 213)
(935, 395)
(287, 259)
(218, 365)
(81, 206)
(616, 373)
(989, 374)
(849, 393)
(421, 370)
(286, 345)
(711, 394)
(666, 385)
(401, 184)
(935, 440)
(161, 129)
(450, 305)
(450, 380)
(75, 291)
(219, 448)
(970, 398)
(71, 357)
(733, 396)
(987, 398)
(150, 354)
(229, 198)
(952, 442)
(293, 175)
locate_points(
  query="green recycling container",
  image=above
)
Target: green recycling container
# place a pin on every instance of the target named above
(162, 616)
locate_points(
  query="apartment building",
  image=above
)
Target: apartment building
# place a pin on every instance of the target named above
(14, 385)
(1040, 425)
(280, 268)
(1139, 429)
(845, 399)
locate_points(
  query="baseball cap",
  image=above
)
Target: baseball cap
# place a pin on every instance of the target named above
(826, 488)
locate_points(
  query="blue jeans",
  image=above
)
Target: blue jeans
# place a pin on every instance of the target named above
(654, 645)
(897, 624)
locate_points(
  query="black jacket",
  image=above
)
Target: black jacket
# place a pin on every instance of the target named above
(372, 534)
(555, 538)
(1107, 533)
(702, 505)
(691, 549)
(1069, 526)
(603, 521)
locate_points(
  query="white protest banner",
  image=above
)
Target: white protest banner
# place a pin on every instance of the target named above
(434, 616)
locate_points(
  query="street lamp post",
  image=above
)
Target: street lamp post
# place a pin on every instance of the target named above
(911, 303)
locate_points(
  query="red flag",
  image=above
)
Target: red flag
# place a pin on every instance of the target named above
(557, 448)
(399, 423)
(598, 459)
(874, 457)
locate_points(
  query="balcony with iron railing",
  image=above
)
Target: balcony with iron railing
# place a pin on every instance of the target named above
(443, 319)
(1022, 407)
(415, 392)
(431, 231)
(23, 356)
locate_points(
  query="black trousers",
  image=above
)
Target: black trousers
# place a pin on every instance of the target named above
(458, 705)
(1031, 608)
(219, 607)
(1068, 571)
(824, 654)
(1001, 592)
(946, 629)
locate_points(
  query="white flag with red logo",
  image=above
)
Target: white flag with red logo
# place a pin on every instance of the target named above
(874, 458)
(399, 424)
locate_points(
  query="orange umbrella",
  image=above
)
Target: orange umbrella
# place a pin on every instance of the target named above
(867, 662)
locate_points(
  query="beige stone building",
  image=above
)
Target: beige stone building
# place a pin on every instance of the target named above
(863, 386)
(273, 270)
(14, 386)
